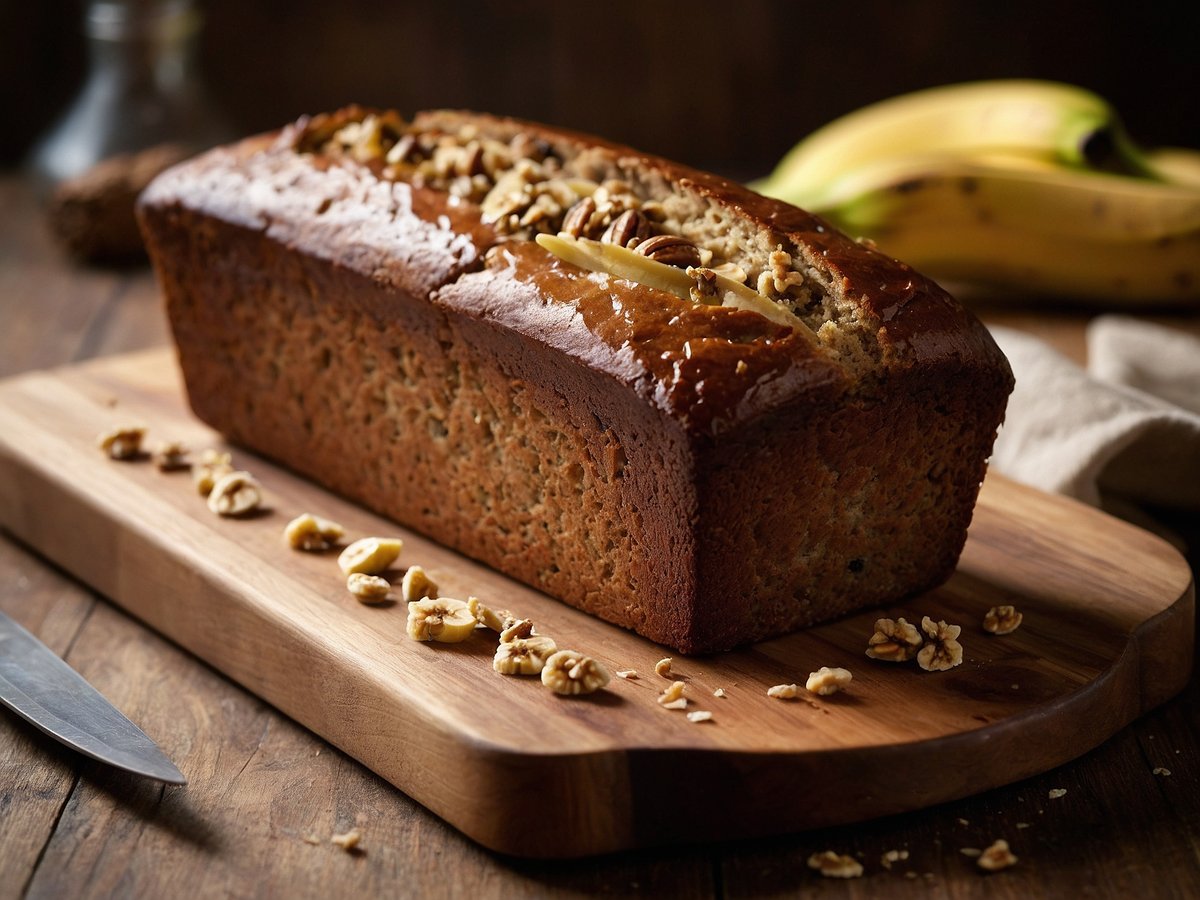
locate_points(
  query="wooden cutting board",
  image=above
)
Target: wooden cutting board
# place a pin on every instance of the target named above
(1107, 634)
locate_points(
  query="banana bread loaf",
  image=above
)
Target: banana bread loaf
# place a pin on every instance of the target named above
(647, 391)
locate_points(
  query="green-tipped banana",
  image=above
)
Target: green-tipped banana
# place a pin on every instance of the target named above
(1047, 121)
(1035, 228)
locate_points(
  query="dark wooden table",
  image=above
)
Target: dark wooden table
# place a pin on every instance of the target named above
(260, 784)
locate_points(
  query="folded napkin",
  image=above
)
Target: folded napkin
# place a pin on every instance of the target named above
(1125, 432)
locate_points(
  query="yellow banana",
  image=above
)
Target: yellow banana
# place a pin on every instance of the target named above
(1180, 165)
(1057, 123)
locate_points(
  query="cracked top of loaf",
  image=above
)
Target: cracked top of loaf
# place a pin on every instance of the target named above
(712, 302)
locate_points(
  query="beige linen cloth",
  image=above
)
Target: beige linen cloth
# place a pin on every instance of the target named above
(1123, 434)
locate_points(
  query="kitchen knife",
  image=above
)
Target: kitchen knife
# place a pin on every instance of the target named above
(42, 689)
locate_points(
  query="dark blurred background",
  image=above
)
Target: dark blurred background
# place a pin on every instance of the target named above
(723, 85)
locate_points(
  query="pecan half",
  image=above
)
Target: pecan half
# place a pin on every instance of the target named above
(578, 217)
(626, 228)
(671, 250)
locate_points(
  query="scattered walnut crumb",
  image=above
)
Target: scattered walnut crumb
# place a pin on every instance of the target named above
(942, 651)
(681, 703)
(213, 465)
(1159, 770)
(699, 715)
(672, 694)
(311, 839)
(835, 865)
(1055, 793)
(997, 857)
(524, 656)
(1002, 620)
(170, 456)
(123, 443)
(663, 667)
(894, 640)
(970, 851)
(569, 672)
(485, 615)
(348, 840)
(516, 629)
(911, 874)
(368, 588)
(1023, 825)
(962, 821)
(892, 856)
(826, 681)
(309, 533)
(720, 692)
(235, 494)
(783, 691)
(630, 674)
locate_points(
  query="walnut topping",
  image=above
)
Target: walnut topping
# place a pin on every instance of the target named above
(835, 865)
(370, 555)
(699, 715)
(672, 695)
(1002, 620)
(894, 640)
(942, 651)
(307, 532)
(996, 857)
(493, 619)
(780, 277)
(523, 656)
(444, 620)
(368, 588)
(170, 456)
(783, 691)
(416, 585)
(235, 494)
(570, 672)
(214, 464)
(671, 250)
(122, 443)
(516, 629)
(827, 681)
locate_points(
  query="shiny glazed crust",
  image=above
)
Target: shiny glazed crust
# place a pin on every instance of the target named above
(698, 473)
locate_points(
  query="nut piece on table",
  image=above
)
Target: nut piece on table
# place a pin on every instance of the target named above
(307, 532)
(416, 585)
(122, 443)
(996, 857)
(783, 691)
(492, 618)
(524, 656)
(213, 465)
(170, 456)
(943, 651)
(570, 672)
(515, 629)
(235, 494)
(368, 588)
(672, 697)
(443, 620)
(663, 667)
(894, 640)
(1002, 620)
(835, 865)
(348, 840)
(370, 555)
(826, 681)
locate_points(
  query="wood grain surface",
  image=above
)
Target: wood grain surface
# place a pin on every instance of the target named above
(69, 827)
(1107, 635)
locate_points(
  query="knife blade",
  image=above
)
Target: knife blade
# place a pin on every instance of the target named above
(42, 689)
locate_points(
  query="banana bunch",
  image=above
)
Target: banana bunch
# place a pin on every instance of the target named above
(1027, 186)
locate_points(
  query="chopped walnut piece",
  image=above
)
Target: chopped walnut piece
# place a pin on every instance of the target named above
(996, 857)
(826, 681)
(515, 629)
(630, 674)
(719, 692)
(783, 691)
(894, 640)
(170, 456)
(673, 694)
(416, 585)
(523, 656)
(214, 464)
(370, 555)
(443, 620)
(235, 494)
(942, 651)
(663, 667)
(972, 852)
(492, 618)
(1160, 770)
(892, 856)
(1055, 793)
(699, 715)
(1002, 620)
(681, 703)
(835, 865)
(122, 443)
(348, 840)
(569, 672)
(307, 532)
(368, 588)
